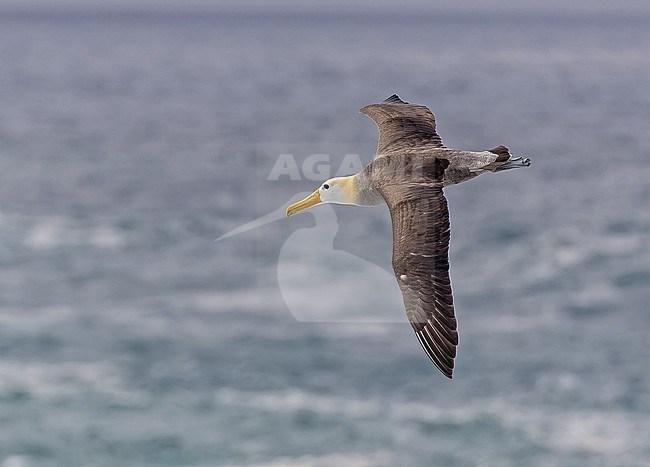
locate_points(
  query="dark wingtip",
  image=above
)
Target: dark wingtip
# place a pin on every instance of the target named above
(394, 99)
(448, 373)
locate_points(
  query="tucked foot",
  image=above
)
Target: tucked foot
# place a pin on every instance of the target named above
(514, 163)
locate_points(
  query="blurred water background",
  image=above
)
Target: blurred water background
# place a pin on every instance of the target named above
(130, 141)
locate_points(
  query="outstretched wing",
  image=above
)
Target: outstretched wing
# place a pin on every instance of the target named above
(402, 125)
(421, 233)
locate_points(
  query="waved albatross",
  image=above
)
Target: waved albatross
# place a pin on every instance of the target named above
(408, 173)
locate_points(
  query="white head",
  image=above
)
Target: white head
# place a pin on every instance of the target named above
(338, 190)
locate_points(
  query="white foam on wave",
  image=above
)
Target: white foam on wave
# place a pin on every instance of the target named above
(44, 235)
(615, 434)
(54, 232)
(596, 293)
(36, 318)
(548, 257)
(374, 459)
(291, 400)
(545, 317)
(15, 461)
(258, 300)
(599, 432)
(268, 300)
(105, 237)
(52, 381)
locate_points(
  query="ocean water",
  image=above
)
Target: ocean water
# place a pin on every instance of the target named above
(128, 336)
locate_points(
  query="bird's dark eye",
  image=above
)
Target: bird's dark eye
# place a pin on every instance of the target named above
(326, 186)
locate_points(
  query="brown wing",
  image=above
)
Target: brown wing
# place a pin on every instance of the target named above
(402, 125)
(421, 235)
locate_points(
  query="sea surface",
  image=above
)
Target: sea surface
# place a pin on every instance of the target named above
(129, 142)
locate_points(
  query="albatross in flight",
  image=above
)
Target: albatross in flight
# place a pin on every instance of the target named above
(408, 173)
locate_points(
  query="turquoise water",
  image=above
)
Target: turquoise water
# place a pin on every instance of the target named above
(128, 143)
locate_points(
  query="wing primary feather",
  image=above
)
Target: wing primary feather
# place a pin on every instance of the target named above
(444, 369)
(442, 352)
(441, 341)
(394, 99)
(441, 328)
